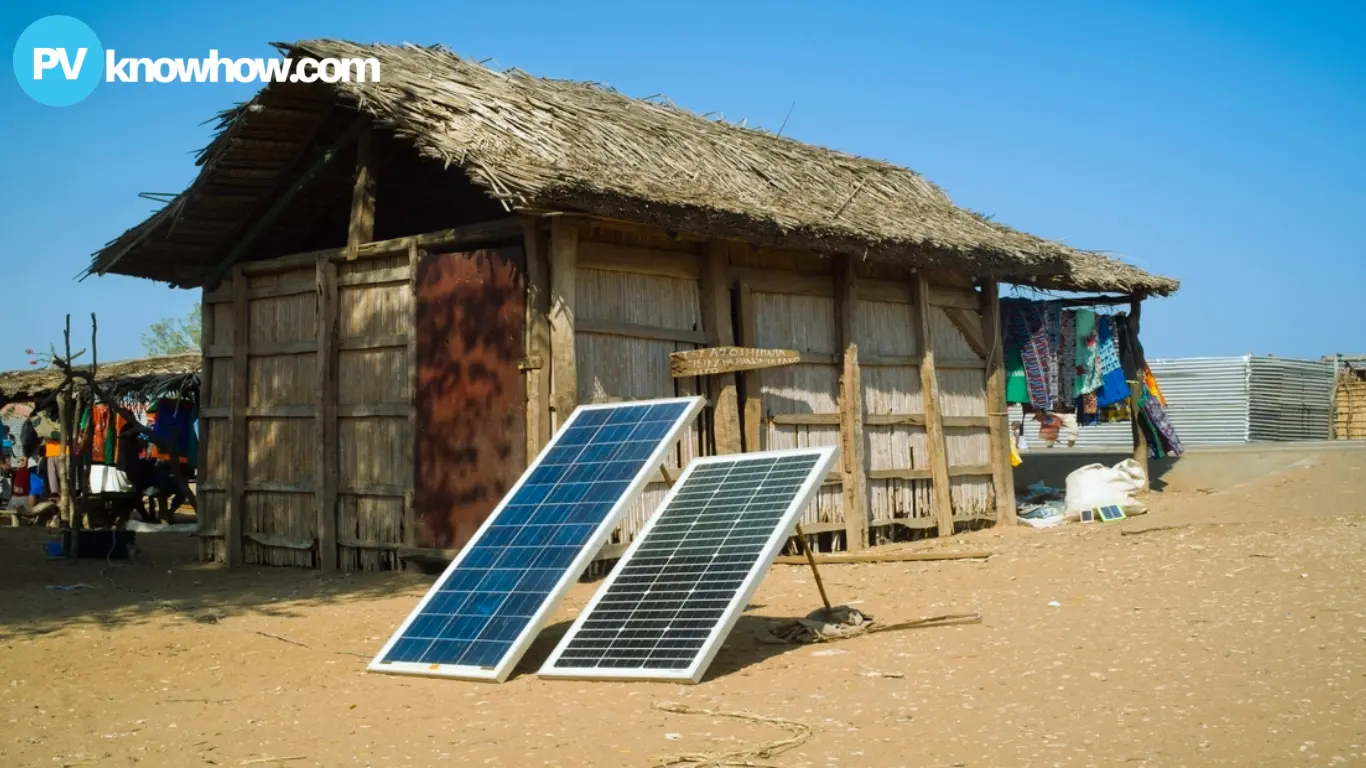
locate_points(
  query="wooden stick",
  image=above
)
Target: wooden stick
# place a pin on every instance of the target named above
(886, 557)
(668, 476)
(811, 561)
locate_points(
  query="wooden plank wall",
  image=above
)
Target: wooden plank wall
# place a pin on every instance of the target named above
(313, 444)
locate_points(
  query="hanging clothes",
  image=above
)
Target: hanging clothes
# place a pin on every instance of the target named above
(1026, 328)
(1088, 374)
(1150, 383)
(1017, 389)
(174, 426)
(1067, 363)
(1052, 315)
(100, 445)
(1114, 388)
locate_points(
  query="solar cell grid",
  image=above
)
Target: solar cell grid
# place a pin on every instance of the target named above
(665, 609)
(479, 616)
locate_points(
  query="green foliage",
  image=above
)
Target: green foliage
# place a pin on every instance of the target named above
(174, 335)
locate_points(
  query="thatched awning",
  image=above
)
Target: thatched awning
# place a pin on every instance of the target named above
(542, 145)
(145, 377)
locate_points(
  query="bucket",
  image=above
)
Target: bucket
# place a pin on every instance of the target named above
(54, 549)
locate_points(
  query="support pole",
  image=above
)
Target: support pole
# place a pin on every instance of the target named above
(1002, 474)
(716, 320)
(934, 424)
(65, 420)
(564, 379)
(1136, 395)
(815, 572)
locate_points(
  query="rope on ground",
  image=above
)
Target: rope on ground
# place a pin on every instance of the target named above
(738, 758)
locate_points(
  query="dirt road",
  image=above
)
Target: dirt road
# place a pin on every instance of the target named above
(1237, 637)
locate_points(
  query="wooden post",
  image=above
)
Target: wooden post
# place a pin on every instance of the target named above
(754, 396)
(537, 340)
(716, 319)
(362, 226)
(934, 423)
(1135, 396)
(1002, 474)
(564, 378)
(206, 330)
(235, 509)
(326, 428)
(66, 499)
(415, 257)
(851, 453)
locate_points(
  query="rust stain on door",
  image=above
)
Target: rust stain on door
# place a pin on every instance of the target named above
(470, 440)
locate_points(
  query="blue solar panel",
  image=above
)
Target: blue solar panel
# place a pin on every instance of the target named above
(479, 616)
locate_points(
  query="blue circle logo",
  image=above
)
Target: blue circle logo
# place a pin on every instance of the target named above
(58, 60)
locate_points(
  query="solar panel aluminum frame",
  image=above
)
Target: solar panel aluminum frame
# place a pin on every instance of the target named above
(572, 573)
(781, 533)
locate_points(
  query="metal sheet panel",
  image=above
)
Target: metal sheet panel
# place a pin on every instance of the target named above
(1291, 399)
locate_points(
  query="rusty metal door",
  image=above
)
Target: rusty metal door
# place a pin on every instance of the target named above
(470, 444)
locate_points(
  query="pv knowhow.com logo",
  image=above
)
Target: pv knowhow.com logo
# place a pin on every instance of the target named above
(59, 60)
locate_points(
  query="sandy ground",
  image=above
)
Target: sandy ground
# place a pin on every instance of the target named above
(1236, 638)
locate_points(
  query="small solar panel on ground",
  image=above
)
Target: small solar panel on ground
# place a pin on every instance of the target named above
(478, 618)
(678, 590)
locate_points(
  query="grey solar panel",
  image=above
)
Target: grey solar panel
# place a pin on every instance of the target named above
(477, 620)
(678, 590)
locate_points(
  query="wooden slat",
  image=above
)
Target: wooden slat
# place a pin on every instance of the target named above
(415, 257)
(224, 295)
(361, 228)
(217, 412)
(970, 327)
(506, 229)
(637, 260)
(714, 293)
(1002, 474)
(934, 425)
(374, 489)
(265, 349)
(564, 246)
(753, 394)
(779, 281)
(633, 331)
(537, 343)
(326, 426)
(885, 290)
(962, 470)
(374, 410)
(269, 487)
(876, 420)
(206, 331)
(235, 509)
(397, 340)
(375, 277)
(282, 412)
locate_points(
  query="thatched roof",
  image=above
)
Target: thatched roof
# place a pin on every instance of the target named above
(537, 144)
(145, 377)
(1098, 272)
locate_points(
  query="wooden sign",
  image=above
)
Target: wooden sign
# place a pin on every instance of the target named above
(713, 360)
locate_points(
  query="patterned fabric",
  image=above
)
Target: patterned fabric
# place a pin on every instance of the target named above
(1169, 443)
(1067, 362)
(1052, 314)
(1114, 389)
(1150, 382)
(1107, 348)
(1026, 325)
(1017, 389)
(1088, 374)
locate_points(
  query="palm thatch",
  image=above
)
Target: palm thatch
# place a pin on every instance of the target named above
(1099, 272)
(143, 378)
(542, 145)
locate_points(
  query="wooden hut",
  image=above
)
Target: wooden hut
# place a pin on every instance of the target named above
(1349, 399)
(407, 283)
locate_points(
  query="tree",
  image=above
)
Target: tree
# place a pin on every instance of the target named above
(174, 335)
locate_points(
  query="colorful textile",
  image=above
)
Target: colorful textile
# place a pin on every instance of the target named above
(1017, 389)
(1168, 444)
(1150, 383)
(174, 425)
(1114, 388)
(1067, 362)
(1026, 329)
(1088, 372)
(1052, 317)
(1116, 412)
(1107, 345)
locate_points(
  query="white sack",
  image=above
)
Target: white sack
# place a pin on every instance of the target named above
(1096, 485)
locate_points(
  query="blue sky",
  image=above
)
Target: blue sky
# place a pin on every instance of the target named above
(1220, 143)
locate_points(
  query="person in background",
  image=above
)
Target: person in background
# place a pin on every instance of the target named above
(1050, 424)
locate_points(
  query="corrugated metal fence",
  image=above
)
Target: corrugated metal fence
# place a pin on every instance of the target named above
(1230, 400)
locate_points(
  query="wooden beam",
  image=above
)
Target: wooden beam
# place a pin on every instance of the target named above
(971, 328)
(884, 557)
(262, 224)
(564, 380)
(362, 226)
(326, 412)
(537, 343)
(934, 425)
(206, 393)
(851, 452)
(851, 406)
(375, 277)
(235, 509)
(784, 282)
(1136, 396)
(877, 420)
(1002, 474)
(753, 389)
(415, 257)
(719, 361)
(633, 331)
(716, 306)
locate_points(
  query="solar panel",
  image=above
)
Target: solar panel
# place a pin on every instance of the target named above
(478, 618)
(677, 592)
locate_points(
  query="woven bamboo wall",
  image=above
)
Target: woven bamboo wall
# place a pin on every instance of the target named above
(626, 324)
(1349, 405)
